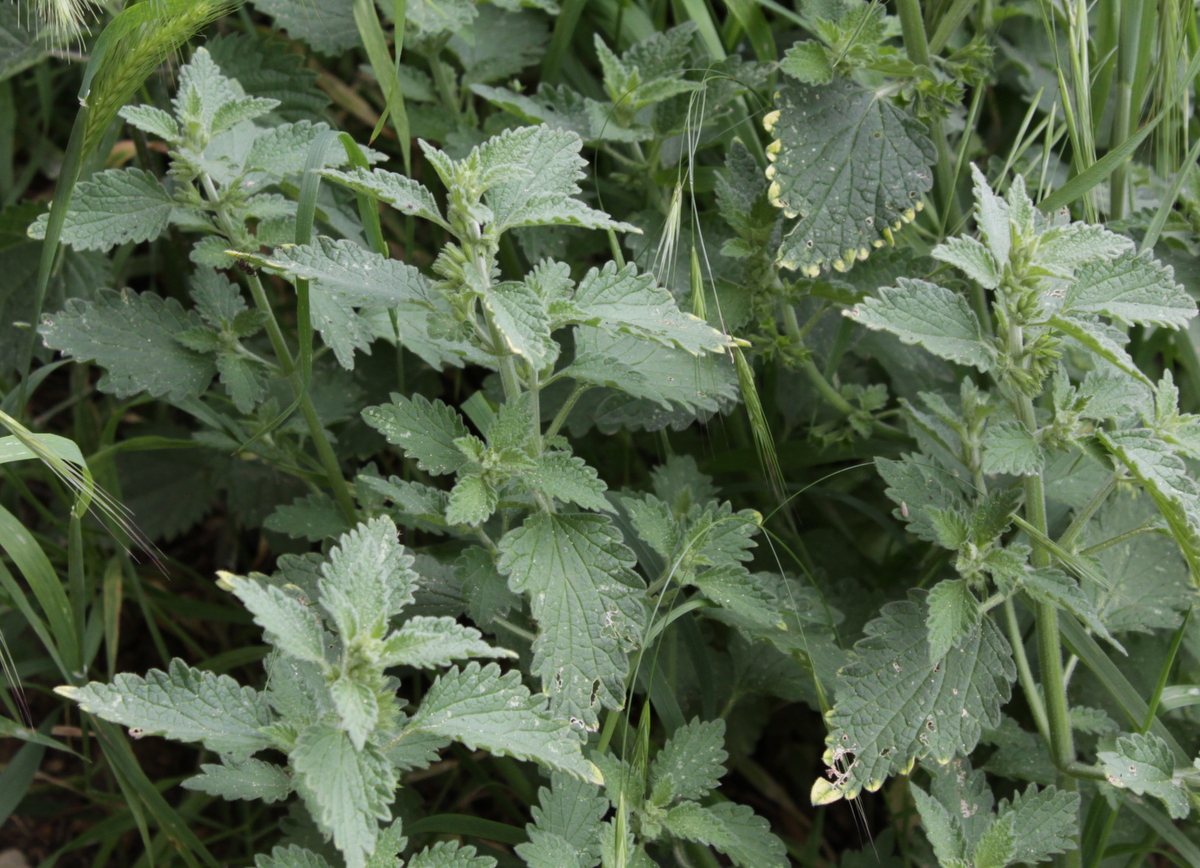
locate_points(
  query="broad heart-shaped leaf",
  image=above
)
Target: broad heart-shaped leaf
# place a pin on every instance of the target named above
(252, 779)
(133, 337)
(350, 272)
(548, 169)
(734, 830)
(425, 431)
(1132, 289)
(483, 708)
(567, 478)
(566, 825)
(587, 601)
(1045, 822)
(850, 163)
(113, 207)
(690, 764)
(1144, 763)
(624, 301)
(426, 643)
(1164, 475)
(404, 194)
(347, 791)
(183, 704)
(894, 705)
(920, 312)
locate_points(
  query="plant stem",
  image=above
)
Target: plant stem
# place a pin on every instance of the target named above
(565, 410)
(1024, 672)
(1148, 527)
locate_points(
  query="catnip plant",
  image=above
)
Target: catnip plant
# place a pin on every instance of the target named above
(935, 671)
(542, 554)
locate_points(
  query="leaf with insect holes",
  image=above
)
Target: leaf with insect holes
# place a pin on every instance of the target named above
(1143, 763)
(117, 206)
(734, 830)
(1133, 289)
(347, 791)
(851, 164)
(920, 312)
(133, 337)
(424, 429)
(588, 604)
(895, 704)
(252, 779)
(484, 709)
(183, 704)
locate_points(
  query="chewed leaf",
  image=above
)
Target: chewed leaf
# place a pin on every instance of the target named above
(851, 164)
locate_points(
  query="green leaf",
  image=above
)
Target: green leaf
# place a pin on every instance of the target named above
(291, 856)
(1054, 586)
(953, 616)
(744, 594)
(252, 779)
(998, 845)
(543, 197)
(1045, 822)
(1132, 289)
(425, 430)
(367, 579)
(568, 478)
(894, 704)
(245, 379)
(915, 484)
(940, 829)
(1143, 763)
(404, 194)
(1165, 477)
(920, 312)
(691, 763)
(807, 62)
(350, 272)
(133, 337)
(523, 321)
(734, 830)
(154, 121)
(626, 302)
(291, 626)
(428, 643)
(183, 704)
(347, 791)
(327, 25)
(413, 500)
(588, 604)
(313, 517)
(497, 45)
(1010, 447)
(850, 164)
(488, 595)
(1096, 337)
(472, 501)
(449, 854)
(566, 825)
(482, 708)
(972, 258)
(113, 208)
(267, 67)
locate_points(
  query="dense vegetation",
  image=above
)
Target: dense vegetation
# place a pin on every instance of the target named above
(599, 433)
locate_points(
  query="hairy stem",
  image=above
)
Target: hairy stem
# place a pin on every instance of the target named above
(1029, 684)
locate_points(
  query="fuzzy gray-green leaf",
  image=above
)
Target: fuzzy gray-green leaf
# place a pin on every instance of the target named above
(920, 312)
